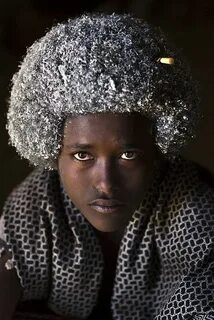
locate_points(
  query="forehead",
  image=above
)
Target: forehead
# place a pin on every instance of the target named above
(107, 126)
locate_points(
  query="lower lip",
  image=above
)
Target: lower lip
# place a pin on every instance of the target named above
(108, 210)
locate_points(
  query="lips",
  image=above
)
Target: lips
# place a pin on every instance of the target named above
(106, 206)
(106, 202)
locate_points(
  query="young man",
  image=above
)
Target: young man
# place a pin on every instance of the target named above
(122, 226)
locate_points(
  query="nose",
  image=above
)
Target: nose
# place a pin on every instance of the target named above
(106, 177)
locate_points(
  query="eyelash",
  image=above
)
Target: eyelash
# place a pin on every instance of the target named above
(81, 152)
(91, 158)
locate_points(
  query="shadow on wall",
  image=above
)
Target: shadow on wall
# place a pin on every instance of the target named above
(189, 23)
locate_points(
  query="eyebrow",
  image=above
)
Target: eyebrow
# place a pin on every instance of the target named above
(89, 146)
(79, 146)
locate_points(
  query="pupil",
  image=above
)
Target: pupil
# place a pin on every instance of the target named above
(81, 154)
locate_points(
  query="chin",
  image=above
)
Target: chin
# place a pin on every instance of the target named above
(109, 227)
(108, 222)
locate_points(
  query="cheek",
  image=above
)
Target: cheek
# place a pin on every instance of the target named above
(140, 179)
(75, 182)
(68, 175)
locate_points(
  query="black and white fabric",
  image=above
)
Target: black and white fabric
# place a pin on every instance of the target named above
(165, 266)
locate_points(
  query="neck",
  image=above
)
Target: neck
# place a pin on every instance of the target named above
(113, 238)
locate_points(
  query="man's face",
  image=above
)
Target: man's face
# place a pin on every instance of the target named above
(106, 165)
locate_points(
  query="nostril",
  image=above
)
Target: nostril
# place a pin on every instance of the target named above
(105, 189)
(107, 186)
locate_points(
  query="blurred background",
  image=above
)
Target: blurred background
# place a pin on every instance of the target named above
(188, 23)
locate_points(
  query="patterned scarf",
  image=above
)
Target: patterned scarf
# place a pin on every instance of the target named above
(165, 265)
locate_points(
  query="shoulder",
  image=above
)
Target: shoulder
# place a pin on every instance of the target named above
(185, 213)
(32, 190)
(26, 209)
(187, 185)
(27, 229)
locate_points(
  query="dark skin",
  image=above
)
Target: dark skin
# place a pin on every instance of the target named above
(107, 160)
(106, 164)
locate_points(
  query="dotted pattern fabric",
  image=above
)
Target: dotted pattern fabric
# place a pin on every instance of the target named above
(165, 267)
(56, 254)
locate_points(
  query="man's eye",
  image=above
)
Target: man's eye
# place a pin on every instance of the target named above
(129, 155)
(82, 156)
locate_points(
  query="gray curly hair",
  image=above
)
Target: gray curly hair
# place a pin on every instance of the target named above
(99, 63)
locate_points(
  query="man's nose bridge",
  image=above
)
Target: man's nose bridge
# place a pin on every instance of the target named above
(106, 174)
